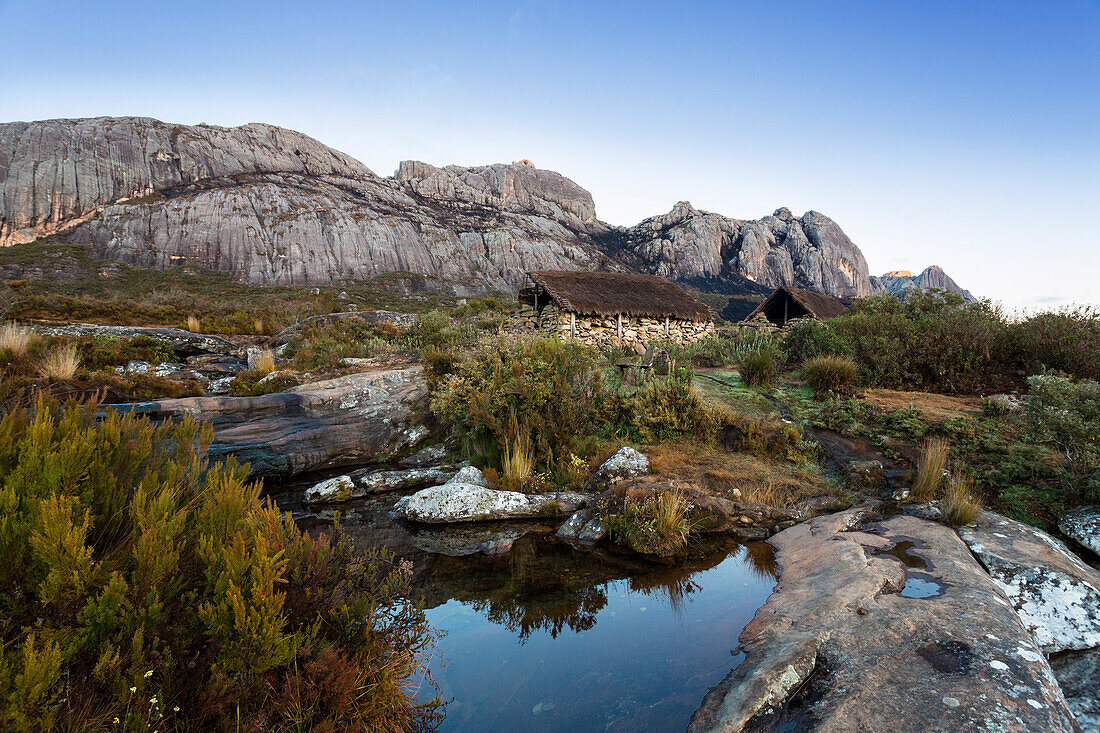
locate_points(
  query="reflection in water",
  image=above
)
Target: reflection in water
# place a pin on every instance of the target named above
(551, 638)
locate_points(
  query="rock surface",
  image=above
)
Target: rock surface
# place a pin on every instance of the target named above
(351, 420)
(1056, 595)
(1083, 525)
(366, 482)
(459, 501)
(895, 628)
(627, 463)
(276, 206)
(1079, 675)
(185, 343)
(583, 526)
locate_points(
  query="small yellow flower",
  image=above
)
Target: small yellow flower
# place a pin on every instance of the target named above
(153, 699)
(148, 674)
(175, 708)
(133, 690)
(115, 721)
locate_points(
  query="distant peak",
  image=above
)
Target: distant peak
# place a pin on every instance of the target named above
(525, 162)
(898, 273)
(783, 214)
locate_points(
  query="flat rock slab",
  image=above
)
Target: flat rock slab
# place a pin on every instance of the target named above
(184, 343)
(888, 627)
(459, 501)
(351, 420)
(1083, 525)
(367, 482)
(402, 320)
(1056, 595)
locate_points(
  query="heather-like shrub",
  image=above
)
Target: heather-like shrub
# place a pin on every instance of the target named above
(551, 387)
(809, 339)
(721, 350)
(142, 588)
(1065, 414)
(772, 439)
(760, 367)
(831, 375)
(669, 407)
(1067, 340)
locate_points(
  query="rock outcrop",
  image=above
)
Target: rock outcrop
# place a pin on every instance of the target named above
(1056, 595)
(895, 628)
(184, 343)
(275, 206)
(350, 420)
(1083, 525)
(467, 498)
(900, 282)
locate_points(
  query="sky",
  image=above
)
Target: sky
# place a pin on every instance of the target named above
(961, 134)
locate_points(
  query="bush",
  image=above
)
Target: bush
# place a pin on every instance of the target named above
(60, 363)
(772, 439)
(1065, 415)
(831, 375)
(760, 367)
(551, 387)
(809, 339)
(1067, 340)
(142, 585)
(15, 339)
(722, 350)
(669, 407)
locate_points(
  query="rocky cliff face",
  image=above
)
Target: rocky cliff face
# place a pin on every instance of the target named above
(275, 206)
(900, 282)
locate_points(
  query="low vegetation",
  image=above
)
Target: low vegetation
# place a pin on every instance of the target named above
(145, 589)
(930, 469)
(831, 376)
(959, 506)
(653, 526)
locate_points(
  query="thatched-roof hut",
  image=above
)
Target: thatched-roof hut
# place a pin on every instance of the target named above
(787, 304)
(607, 308)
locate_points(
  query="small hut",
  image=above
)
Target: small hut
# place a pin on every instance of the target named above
(609, 308)
(788, 304)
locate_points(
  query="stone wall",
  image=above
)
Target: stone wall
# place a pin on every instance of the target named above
(604, 332)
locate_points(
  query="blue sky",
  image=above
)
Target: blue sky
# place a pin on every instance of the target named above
(960, 134)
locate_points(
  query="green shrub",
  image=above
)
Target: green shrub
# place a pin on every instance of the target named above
(722, 350)
(772, 439)
(142, 588)
(1067, 340)
(760, 367)
(809, 339)
(669, 407)
(1065, 414)
(551, 387)
(831, 375)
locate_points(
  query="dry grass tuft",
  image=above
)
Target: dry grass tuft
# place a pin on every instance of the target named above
(61, 363)
(670, 519)
(264, 361)
(735, 475)
(959, 506)
(517, 465)
(930, 468)
(15, 338)
(258, 327)
(194, 325)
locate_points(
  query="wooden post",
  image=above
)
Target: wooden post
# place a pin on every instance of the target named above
(572, 325)
(619, 325)
(786, 303)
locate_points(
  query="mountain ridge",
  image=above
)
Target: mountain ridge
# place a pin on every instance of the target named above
(276, 206)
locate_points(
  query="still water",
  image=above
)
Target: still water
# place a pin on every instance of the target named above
(552, 638)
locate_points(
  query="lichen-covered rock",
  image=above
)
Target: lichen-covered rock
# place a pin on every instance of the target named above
(184, 343)
(337, 488)
(426, 456)
(469, 475)
(1079, 675)
(462, 502)
(583, 526)
(1083, 525)
(625, 464)
(898, 629)
(1056, 595)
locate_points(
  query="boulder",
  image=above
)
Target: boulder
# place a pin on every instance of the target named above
(337, 488)
(393, 318)
(1056, 595)
(1005, 403)
(182, 342)
(895, 629)
(1083, 526)
(583, 526)
(1078, 673)
(351, 420)
(459, 501)
(626, 463)
(426, 456)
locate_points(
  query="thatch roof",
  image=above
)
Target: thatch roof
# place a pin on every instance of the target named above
(611, 293)
(818, 305)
